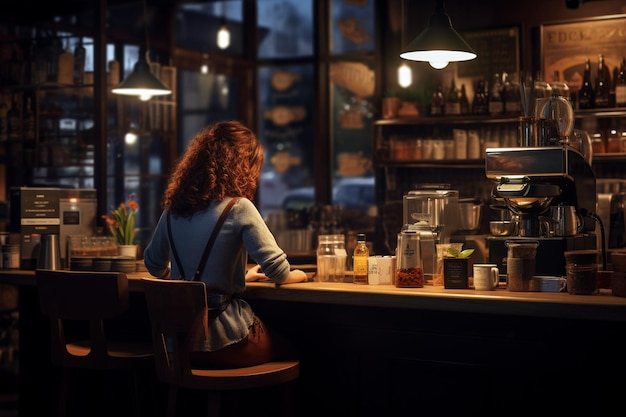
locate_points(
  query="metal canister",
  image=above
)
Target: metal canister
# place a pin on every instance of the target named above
(10, 256)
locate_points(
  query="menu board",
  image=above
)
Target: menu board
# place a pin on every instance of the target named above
(498, 51)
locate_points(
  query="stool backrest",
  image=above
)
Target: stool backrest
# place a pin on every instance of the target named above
(178, 311)
(81, 296)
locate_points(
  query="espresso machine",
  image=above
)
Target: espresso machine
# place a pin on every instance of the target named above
(529, 180)
(432, 210)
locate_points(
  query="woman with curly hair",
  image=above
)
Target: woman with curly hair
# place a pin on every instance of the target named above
(222, 163)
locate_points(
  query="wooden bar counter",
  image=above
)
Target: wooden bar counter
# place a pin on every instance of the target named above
(370, 350)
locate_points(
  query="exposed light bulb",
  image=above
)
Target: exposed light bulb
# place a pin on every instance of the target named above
(130, 138)
(405, 76)
(223, 37)
(438, 64)
(145, 97)
(204, 69)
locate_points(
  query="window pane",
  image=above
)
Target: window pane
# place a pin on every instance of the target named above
(352, 89)
(352, 26)
(286, 97)
(198, 25)
(207, 98)
(285, 28)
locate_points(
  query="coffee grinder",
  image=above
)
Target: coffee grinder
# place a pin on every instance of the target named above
(432, 210)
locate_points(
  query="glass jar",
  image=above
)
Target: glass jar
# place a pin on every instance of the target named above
(409, 268)
(520, 265)
(331, 258)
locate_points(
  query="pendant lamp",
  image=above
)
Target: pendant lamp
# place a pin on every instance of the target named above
(439, 43)
(142, 82)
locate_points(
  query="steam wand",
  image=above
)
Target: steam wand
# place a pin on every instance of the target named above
(598, 220)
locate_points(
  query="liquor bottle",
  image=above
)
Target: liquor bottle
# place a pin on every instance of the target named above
(586, 96)
(28, 120)
(464, 102)
(13, 121)
(437, 103)
(65, 67)
(512, 96)
(79, 62)
(359, 260)
(559, 87)
(480, 104)
(602, 88)
(453, 105)
(620, 85)
(496, 105)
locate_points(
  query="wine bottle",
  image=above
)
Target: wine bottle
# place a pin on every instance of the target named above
(464, 101)
(79, 62)
(65, 67)
(480, 104)
(602, 89)
(496, 105)
(620, 85)
(28, 120)
(453, 105)
(586, 96)
(13, 121)
(437, 103)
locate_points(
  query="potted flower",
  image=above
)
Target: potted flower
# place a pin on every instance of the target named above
(455, 268)
(121, 223)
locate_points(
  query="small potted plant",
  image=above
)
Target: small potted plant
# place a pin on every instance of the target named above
(121, 223)
(456, 268)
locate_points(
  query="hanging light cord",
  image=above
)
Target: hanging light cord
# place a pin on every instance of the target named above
(145, 28)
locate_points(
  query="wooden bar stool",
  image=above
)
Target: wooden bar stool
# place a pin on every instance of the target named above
(89, 298)
(176, 308)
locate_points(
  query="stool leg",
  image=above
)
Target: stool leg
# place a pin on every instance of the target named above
(172, 400)
(64, 391)
(214, 404)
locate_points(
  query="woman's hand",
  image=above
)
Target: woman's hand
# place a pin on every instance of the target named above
(296, 275)
(255, 274)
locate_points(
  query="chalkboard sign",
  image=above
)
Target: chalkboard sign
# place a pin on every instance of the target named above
(497, 50)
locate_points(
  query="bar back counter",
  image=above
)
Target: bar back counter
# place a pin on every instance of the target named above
(383, 351)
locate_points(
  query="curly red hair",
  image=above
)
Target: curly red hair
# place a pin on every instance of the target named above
(223, 160)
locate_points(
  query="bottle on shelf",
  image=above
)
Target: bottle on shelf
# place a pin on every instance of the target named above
(359, 260)
(464, 101)
(558, 86)
(437, 103)
(480, 104)
(496, 104)
(13, 121)
(586, 95)
(512, 95)
(79, 62)
(620, 85)
(28, 120)
(65, 67)
(453, 104)
(602, 86)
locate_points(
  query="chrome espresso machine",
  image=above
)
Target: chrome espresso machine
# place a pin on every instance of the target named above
(529, 180)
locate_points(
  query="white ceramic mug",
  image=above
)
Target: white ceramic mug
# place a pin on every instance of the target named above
(486, 277)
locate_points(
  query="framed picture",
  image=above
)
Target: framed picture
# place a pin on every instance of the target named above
(498, 50)
(566, 45)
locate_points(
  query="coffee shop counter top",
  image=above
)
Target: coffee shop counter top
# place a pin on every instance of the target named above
(601, 306)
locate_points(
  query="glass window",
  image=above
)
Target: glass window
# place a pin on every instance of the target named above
(352, 26)
(208, 98)
(200, 24)
(285, 28)
(286, 97)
